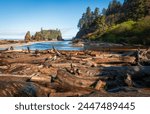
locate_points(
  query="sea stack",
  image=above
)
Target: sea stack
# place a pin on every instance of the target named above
(45, 35)
(28, 37)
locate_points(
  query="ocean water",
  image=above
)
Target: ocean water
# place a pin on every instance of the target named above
(60, 45)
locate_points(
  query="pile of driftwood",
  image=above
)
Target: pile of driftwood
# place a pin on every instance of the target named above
(54, 73)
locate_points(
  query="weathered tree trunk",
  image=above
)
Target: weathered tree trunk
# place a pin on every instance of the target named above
(23, 89)
(57, 52)
(10, 77)
(134, 71)
(72, 80)
(69, 94)
(114, 60)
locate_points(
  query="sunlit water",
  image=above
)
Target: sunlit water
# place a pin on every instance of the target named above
(60, 45)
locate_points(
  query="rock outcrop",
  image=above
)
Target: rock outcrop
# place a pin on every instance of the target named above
(45, 35)
(27, 36)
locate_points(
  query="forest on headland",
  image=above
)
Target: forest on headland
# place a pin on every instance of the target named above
(127, 22)
(44, 35)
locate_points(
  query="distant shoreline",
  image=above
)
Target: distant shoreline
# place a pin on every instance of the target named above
(19, 43)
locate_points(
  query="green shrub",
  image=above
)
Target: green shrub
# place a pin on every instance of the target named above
(123, 27)
(129, 32)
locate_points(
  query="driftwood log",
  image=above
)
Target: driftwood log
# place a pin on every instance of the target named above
(134, 71)
(72, 80)
(56, 52)
(23, 89)
(10, 77)
(40, 79)
(69, 94)
(74, 73)
(114, 60)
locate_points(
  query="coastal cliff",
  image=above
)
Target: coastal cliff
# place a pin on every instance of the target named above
(44, 35)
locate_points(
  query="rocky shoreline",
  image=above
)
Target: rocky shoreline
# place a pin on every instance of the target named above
(3, 42)
(53, 73)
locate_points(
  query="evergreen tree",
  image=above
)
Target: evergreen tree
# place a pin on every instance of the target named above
(82, 21)
(96, 12)
(88, 19)
(113, 7)
(88, 12)
(104, 10)
(134, 9)
(101, 24)
(113, 12)
(147, 7)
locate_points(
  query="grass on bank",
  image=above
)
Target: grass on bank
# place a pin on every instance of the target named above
(130, 32)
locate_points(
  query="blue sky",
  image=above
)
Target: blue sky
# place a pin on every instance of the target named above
(19, 16)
